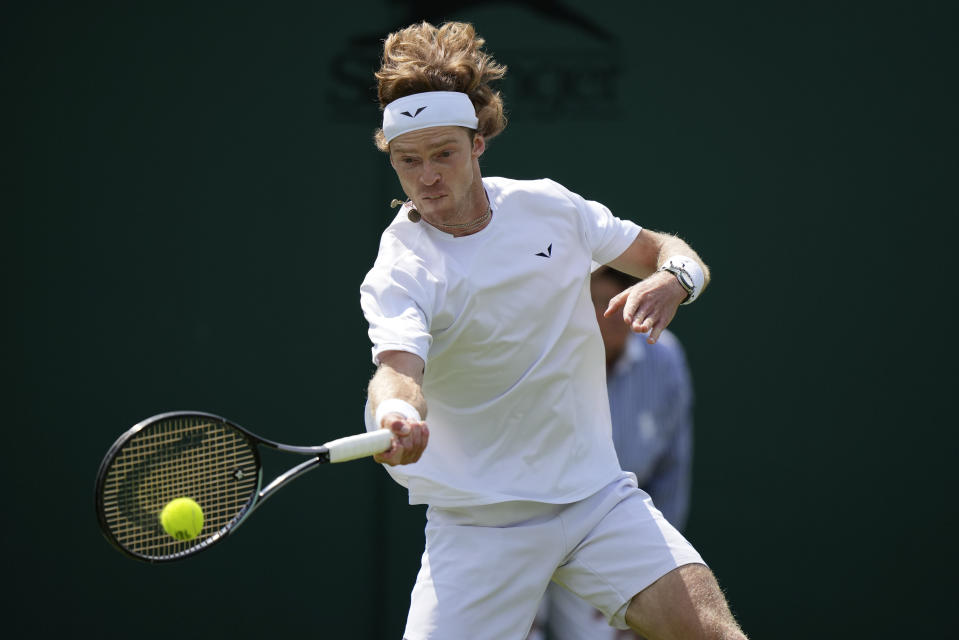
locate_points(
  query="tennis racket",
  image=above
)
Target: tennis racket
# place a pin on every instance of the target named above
(203, 457)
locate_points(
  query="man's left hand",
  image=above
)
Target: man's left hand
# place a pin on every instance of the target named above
(650, 305)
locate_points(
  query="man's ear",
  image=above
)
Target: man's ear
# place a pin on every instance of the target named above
(479, 145)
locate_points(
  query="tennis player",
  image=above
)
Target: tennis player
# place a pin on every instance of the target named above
(479, 309)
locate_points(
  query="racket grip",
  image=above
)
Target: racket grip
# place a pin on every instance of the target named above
(359, 446)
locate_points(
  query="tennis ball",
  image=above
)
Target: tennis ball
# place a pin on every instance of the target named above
(182, 518)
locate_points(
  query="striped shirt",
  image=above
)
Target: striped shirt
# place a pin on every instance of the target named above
(650, 399)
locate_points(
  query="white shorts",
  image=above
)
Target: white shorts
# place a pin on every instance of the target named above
(564, 616)
(485, 568)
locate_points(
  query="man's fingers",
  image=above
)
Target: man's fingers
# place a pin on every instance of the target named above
(633, 305)
(419, 439)
(642, 318)
(409, 442)
(657, 324)
(615, 303)
(396, 423)
(642, 325)
(654, 335)
(390, 455)
(647, 307)
(414, 444)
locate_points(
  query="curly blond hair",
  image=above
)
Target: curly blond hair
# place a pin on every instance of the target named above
(423, 58)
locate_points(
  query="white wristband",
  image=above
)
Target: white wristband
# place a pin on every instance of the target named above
(695, 278)
(395, 405)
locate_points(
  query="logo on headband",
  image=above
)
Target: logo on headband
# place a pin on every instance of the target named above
(412, 115)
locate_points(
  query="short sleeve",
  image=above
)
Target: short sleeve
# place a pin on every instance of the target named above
(396, 298)
(606, 235)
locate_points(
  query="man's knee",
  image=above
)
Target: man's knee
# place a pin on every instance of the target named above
(686, 603)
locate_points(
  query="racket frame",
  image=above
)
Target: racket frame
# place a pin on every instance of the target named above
(318, 454)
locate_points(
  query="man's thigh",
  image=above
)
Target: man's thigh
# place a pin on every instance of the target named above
(624, 544)
(685, 604)
(483, 580)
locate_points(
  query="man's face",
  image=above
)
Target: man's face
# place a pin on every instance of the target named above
(614, 330)
(437, 167)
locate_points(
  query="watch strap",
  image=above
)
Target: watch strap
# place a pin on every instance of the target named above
(689, 274)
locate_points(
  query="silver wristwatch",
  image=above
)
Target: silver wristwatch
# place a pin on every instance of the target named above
(684, 277)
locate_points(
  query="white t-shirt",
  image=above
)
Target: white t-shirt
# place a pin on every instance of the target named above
(515, 379)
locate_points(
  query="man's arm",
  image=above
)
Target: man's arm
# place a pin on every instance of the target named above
(650, 306)
(400, 378)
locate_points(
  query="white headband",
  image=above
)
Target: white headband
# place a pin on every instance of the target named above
(430, 109)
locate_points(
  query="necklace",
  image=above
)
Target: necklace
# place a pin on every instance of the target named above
(415, 216)
(466, 226)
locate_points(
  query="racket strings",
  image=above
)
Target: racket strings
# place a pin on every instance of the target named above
(207, 461)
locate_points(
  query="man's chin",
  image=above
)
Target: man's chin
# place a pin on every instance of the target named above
(433, 207)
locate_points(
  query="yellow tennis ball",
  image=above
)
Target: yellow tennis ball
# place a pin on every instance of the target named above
(182, 518)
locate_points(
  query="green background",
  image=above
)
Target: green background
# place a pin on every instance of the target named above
(191, 199)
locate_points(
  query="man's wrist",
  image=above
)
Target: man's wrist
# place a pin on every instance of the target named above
(395, 405)
(688, 273)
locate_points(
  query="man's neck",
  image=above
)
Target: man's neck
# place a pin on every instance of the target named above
(476, 216)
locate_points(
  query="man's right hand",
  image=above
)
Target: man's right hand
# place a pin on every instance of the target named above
(409, 440)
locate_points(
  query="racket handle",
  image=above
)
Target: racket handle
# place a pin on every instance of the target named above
(359, 446)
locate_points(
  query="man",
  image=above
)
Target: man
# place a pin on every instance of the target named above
(650, 398)
(479, 310)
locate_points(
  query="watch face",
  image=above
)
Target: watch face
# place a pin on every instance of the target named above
(685, 279)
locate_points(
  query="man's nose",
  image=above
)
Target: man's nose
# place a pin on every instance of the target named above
(430, 175)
